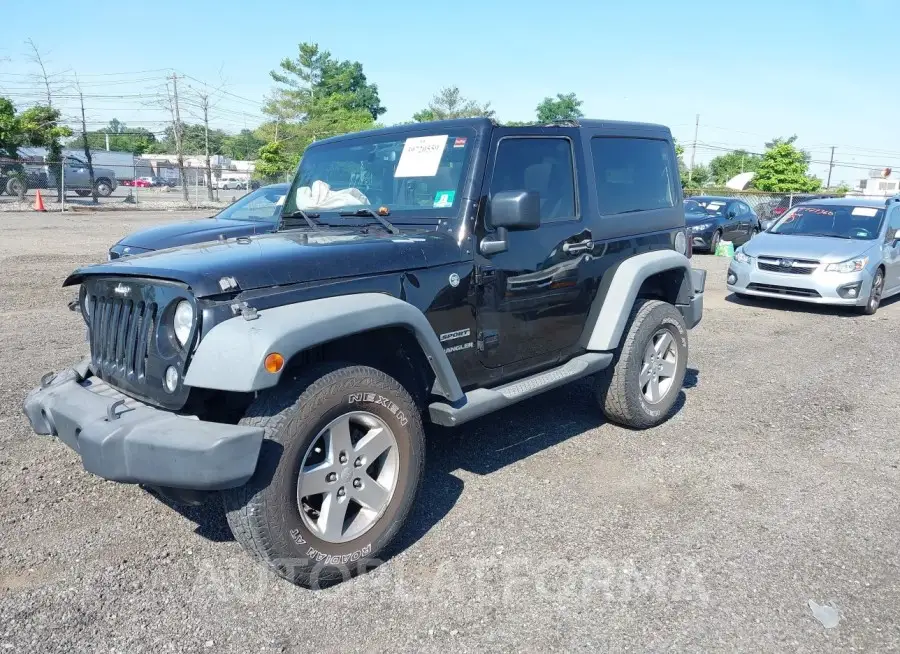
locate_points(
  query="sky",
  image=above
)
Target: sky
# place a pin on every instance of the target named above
(821, 69)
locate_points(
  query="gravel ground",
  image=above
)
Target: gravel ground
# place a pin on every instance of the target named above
(539, 528)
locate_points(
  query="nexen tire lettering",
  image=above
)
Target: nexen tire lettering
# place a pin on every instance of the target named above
(357, 398)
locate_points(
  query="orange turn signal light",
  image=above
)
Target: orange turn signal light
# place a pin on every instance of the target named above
(274, 362)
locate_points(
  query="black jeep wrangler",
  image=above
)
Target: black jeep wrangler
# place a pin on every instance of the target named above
(431, 272)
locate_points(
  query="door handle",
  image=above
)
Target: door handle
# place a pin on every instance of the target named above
(577, 248)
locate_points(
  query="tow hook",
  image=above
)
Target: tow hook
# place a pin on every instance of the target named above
(111, 414)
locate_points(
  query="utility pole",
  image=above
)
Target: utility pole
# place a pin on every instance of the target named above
(204, 104)
(176, 128)
(830, 167)
(84, 142)
(693, 150)
(107, 142)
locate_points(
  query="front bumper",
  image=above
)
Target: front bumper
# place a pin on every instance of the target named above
(122, 439)
(693, 310)
(701, 240)
(819, 287)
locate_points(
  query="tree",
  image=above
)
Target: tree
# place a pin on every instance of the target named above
(242, 146)
(10, 130)
(726, 166)
(315, 74)
(449, 103)
(121, 138)
(790, 140)
(40, 128)
(272, 161)
(699, 177)
(564, 107)
(783, 169)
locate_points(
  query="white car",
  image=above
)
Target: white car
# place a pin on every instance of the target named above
(225, 183)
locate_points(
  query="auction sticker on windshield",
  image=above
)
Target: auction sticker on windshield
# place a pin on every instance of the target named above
(443, 199)
(869, 212)
(421, 156)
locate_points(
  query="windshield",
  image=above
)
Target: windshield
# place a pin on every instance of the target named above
(263, 205)
(836, 221)
(711, 207)
(417, 174)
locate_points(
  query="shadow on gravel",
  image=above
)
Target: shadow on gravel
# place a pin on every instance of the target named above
(481, 447)
(802, 307)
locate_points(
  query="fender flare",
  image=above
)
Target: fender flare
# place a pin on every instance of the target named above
(231, 356)
(610, 311)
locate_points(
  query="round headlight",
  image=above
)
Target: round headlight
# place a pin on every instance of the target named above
(183, 320)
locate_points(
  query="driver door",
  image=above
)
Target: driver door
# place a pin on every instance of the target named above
(891, 251)
(533, 298)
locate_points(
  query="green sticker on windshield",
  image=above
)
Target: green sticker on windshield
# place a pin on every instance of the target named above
(443, 199)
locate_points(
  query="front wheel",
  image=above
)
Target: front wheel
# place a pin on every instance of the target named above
(714, 241)
(15, 187)
(640, 388)
(875, 294)
(337, 474)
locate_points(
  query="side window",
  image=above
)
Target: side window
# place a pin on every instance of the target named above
(745, 210)
(538, 164)
(633, 174)
(893, 221)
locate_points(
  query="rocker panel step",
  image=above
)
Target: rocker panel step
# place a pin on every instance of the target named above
(482, 401)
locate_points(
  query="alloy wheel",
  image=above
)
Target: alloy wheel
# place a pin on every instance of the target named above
(348, 477)
(658, 366)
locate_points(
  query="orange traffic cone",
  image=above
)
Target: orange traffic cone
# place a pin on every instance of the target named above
(39, 201)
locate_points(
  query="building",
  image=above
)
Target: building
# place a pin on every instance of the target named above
(879, 184)
(166, 166)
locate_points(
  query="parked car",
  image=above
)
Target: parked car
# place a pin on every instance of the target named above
(143, 182)
(76, 177)
(289, 375)
(255, 213)
(779, 208)
(711, 219)
(842, 251)
(231, 182)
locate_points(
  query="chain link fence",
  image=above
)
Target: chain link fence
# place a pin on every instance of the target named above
(768, 206)
(150, 182)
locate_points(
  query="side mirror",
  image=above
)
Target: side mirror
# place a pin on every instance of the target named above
(510, 210)
(515, 210)
(897, 235)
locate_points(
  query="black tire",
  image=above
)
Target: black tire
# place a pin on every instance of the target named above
(714, 242)
(264, 514)
(82, 194)
(618, 388)
(104, 187)
(874, 300)
(15, 187)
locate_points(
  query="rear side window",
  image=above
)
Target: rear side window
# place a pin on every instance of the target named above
(538, 164)
(633, 174)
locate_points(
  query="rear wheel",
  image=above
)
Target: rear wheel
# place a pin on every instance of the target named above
(15, 186)
(104, 188)
(339, 468)
(640, 388)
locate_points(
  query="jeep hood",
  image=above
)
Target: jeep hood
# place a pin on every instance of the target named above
(173, 235)
(820, 248)
(283, 258)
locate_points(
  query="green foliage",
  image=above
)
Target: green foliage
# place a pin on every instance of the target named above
(726, 166)
(315, 74)
(449, 103)
(783, 169)
(272, 161)
(10, 130)
(242, 146)
(698, 177)
(841, 189)
(136, 140)
(563, 107)
(40, 127)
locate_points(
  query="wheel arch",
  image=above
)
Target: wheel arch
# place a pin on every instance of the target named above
(231, 356)
(660, 274)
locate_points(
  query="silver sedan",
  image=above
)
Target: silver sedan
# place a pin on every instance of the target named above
(843, 251)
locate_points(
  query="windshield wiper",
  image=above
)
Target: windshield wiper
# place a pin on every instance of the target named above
(374, 214)
(827, 235)
(299, 213)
